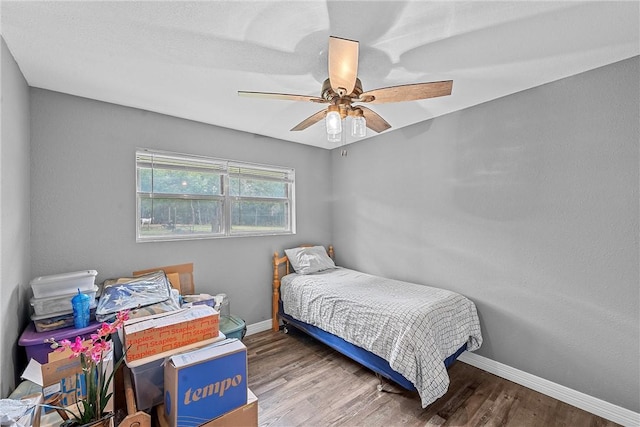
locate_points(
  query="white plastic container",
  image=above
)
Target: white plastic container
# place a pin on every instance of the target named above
(58, 320)
(56, 304)
(63, 284)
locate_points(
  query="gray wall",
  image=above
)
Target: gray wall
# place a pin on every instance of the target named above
(83, 197)
(14, 216)
(528, 205)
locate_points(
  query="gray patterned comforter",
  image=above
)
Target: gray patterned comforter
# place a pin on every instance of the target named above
(414, 327)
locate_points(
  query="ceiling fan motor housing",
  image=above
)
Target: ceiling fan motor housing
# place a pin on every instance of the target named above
(343, 102)
(329, 94)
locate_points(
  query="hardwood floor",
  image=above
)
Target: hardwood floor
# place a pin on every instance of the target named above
(301, 382)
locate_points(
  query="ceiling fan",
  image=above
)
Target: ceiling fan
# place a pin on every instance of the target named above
(343, 92)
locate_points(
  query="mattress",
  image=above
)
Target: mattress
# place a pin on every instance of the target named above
(413, 327)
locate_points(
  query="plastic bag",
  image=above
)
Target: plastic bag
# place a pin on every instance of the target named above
(134, 292)
(19, 413)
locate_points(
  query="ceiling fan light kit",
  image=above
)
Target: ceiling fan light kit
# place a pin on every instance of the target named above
(343, 89)
(336, 117)
(333, 120)
(358, 123)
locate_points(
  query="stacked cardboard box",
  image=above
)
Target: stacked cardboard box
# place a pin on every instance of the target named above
(150, 340)
(158, 334)
(181, 359)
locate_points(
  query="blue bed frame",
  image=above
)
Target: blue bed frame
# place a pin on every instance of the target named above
(376, 363)
(372, 361)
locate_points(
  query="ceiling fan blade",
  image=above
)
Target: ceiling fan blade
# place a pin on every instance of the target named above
(411, 92)
(374, 121)
(311, 120)
(343, 64)
(282, 96)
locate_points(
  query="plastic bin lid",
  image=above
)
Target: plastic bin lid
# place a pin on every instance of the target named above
(35, 300)
(62, 277)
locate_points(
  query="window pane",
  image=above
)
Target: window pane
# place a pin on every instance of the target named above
(174, 217)
(144, 180)
(167, 181)
(259, 217)
(183, 196)
(244, 187)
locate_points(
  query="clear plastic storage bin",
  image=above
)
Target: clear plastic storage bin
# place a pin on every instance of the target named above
(233, 327)
(59, 320)
(56, 304)
(148, 383)
(63, 284)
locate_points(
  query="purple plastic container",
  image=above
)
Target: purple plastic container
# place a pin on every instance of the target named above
(37, 349)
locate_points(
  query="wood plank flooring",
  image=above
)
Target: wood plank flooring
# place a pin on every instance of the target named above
(302, 382)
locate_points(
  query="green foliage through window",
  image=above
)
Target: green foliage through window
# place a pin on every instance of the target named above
(190, 197)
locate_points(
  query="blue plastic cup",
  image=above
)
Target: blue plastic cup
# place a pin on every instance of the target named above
(80, 304)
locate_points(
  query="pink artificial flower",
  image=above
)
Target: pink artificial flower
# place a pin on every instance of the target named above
(63, 345)
(91, 358)
(77, 347)
(106, 330)
(98, 349)
(122, 316)
(102, 345)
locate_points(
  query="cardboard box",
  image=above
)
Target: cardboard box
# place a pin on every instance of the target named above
(63, 375)
(244, 416)
(203, 384)
(151, 335)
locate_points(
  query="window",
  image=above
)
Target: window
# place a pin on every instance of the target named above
(183, 196)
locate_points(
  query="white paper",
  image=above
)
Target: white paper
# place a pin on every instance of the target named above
(207, 352)
(33, 372)
(53, 388)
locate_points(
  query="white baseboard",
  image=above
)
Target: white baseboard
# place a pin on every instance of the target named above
(254, 328)
(564, 394)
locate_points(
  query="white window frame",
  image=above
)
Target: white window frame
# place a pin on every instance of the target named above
(229, 170)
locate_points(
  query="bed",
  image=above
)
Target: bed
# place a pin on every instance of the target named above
(405, 332)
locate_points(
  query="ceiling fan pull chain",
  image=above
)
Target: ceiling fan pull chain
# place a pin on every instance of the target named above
(343, 141)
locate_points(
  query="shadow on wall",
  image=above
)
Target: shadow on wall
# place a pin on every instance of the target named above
(495, 171)
(417, 131)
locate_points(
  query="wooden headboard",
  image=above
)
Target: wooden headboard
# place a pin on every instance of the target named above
(282, 267)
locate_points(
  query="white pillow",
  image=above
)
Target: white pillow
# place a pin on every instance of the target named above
(309, 260)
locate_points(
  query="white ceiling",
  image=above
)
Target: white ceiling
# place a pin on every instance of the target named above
(189, 59)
